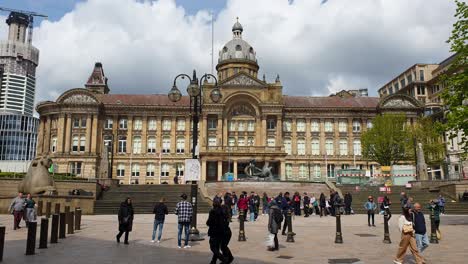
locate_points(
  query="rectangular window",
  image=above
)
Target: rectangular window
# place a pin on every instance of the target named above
(82, 143)
(343, 147)
(76, 122)
(120, 170)
(301, 147)
(271, 124)
(123, 123)
(180, 124)
(250, 125)
(329, 146)
(241, 141)
(54, 144)
(75, 168)
(75, 143)
(287, 127)
(212, 141)
(137, 124)
(164, 170)
(122, 144)
(180, 145)
(241, 126)
(342, 126)
(109, 123)
(212, 123)
(250, 141)
(315, 126)
(328, 126)
(136, 145)
(331, 170)
(150, 170)
(287, 146)
(232, 125)
(151, 145)
(421, 90)
(152, 124)
(166, 145)
(135, 170)
(421, 75)
(317, 171)
(231, 141)
(303, 173)
(271, 142)
(357, 147)
(315, 147)
(288, 170)
(403, 83)
(301, 125)
(180, 169)
(356, 126)
(166, 124)
(410, 78)
(369, 124)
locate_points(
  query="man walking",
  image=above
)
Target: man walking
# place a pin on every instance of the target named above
(306, 202)
(285, 207)
(184, 215)
(17, 209)
(422, 241)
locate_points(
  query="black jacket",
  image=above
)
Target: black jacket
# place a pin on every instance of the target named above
(160, 211)
(125, 216)
(217, 222)
(419, 223)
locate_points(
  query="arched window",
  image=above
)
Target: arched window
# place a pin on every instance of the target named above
(225, 49)
(238, 48)
(251, 50)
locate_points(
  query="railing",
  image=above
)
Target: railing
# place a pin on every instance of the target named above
(245, 149)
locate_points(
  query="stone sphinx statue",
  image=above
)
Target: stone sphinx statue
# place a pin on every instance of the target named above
(38, 179)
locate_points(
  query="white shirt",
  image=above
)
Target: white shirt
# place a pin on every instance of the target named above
(402, 221)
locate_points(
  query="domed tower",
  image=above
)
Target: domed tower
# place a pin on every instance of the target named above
(236, 56)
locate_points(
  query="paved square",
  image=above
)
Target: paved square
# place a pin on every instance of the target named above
(95, 243)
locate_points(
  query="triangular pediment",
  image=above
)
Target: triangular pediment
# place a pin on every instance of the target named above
(399, 101)
(78, 97)
(243, 79)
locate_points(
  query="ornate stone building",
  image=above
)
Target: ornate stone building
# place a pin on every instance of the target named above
(301, 138)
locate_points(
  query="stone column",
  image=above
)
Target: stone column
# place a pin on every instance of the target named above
(279, 131)
(68, 133)
(89, 125)
(144, 137)
(235, 170)
(61, 133)
(40, 137)
(294, 136)
(336, 136)
(115, 141)
(263, 131)
(130, 137)
(203, 170)
(188, 132)
(225, 132)
(350, 136)
(322, 137)
(173, 135)
(220, 169)
(203, 132)
(283, 170)
(219, 131)
(95, 136)
(159, 135)
(308, 138)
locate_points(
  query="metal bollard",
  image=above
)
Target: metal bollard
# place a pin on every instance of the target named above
(433, 239)
(67, 209)
(62, 225)
(338, 237)
(55, 227)
(44, 232)
(40, 204)
(48, 208)
(71, 222)
(386, 239)
(290, 237)
(57, 208)
(31, 240)
(77, 218)
(2, 241)
(241, 226)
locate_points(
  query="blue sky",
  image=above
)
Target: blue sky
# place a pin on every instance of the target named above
(55, 9)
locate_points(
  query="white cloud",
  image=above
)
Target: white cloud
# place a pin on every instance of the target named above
(315, 48)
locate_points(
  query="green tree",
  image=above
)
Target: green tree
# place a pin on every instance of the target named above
(388, 141)
(455, 80)
(427, 132)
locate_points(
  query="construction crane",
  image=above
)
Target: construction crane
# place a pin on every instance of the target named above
(31, 16)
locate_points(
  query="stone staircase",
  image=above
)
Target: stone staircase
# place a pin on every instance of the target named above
(144, 197)
(419, 195)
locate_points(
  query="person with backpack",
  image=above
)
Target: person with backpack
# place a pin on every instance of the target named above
(274, 223)
(405, 225)
(370, 207)
(296, 203)
(160, 211)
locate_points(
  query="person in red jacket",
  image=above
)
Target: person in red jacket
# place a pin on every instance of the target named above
(242, 204)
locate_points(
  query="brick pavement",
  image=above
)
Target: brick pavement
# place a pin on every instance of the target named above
(95, 243)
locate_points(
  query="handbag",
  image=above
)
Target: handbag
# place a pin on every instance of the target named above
(125, 219)
(439, 235)
(269, 242)
(408, 229)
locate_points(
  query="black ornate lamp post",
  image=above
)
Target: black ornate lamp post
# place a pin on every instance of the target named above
(339, 235)
(194, 90)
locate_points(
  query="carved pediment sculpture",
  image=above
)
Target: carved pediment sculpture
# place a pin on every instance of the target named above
(243, 80)
(80, 99)
(397, 103)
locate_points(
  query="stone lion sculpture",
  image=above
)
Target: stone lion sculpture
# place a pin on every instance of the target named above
(38, 180)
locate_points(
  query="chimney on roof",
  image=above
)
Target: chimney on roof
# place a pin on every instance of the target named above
(97, 81)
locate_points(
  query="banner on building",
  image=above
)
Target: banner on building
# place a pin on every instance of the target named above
(192, 170)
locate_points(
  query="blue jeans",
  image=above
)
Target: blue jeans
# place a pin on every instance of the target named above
(234, 209)
(155, 228)
(266, 209)
(252, 216)
(179, 235)
(422, 242)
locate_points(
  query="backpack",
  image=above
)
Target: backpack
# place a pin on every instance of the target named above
(296, 199)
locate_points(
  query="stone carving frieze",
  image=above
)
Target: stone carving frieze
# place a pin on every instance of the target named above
(80, 99)
(243, 80)
(398, 103)
(242, 109)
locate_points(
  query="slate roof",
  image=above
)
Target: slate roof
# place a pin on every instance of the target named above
(141, 99)
(330, 102)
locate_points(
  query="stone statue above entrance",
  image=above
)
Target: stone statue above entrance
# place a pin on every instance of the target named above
(252, 171)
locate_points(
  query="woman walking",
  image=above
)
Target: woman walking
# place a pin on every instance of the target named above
(323, 204)
(217, 221)
(296, 201)
(31, 214)
(160, 211)
(370, 207)
(274, 223)
(242, 204)
(265, 204)
(405, 224)
(125, 216)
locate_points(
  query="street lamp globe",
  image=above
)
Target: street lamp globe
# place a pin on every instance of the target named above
(174, 94)
(193, 89)
(215, 95)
